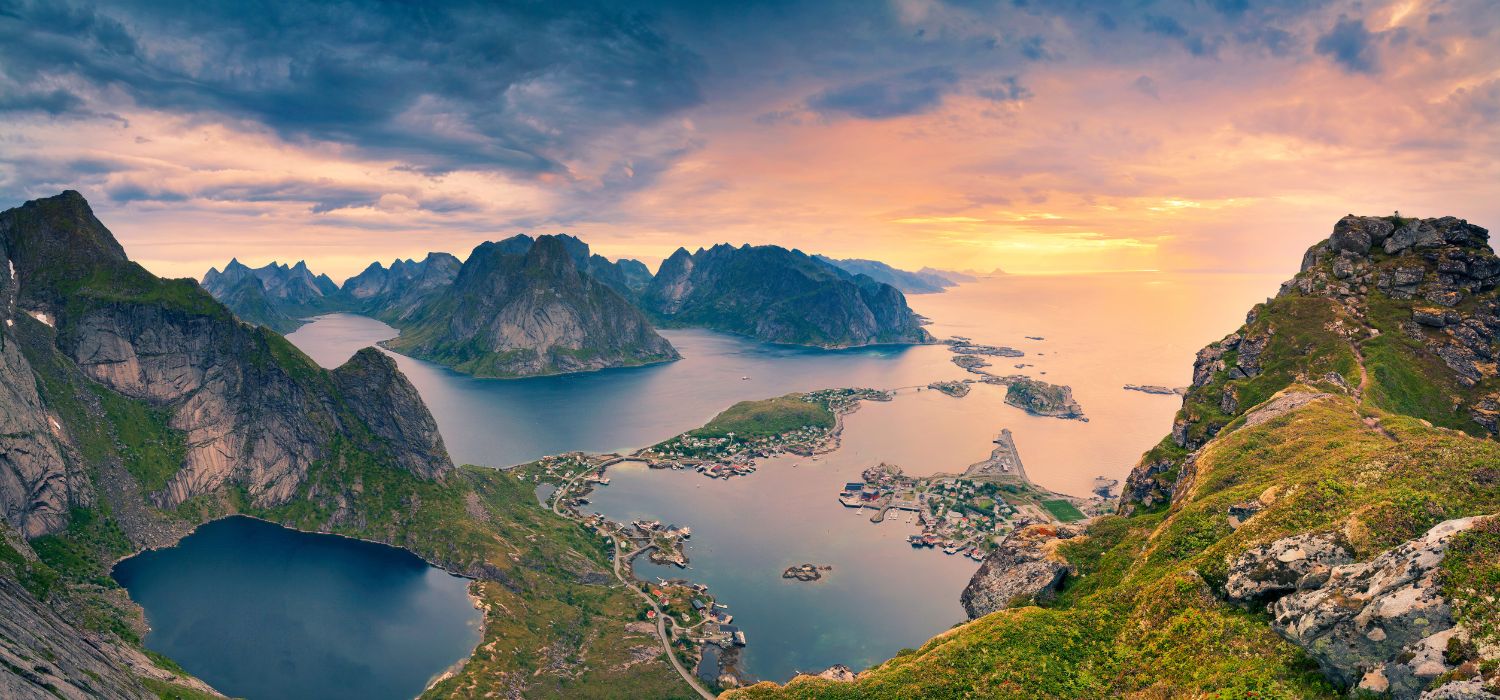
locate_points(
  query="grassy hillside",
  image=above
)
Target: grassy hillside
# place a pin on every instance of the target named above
(1145, 614)
(767, 417)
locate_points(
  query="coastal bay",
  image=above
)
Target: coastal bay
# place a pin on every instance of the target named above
(886, 595)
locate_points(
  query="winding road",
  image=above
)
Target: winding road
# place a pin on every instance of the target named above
(661, 617)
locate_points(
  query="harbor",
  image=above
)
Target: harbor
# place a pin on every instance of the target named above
(969, 513)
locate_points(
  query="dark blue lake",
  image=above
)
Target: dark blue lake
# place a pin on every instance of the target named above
(263, 612)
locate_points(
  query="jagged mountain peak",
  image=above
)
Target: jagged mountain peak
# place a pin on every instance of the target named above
(1401, 314)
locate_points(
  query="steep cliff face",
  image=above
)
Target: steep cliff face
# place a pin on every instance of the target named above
(393, 294)
(276, 296)
(779, 295)
(247, 407)
(521, 308)
(36, 483)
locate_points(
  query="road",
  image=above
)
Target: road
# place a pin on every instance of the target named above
(661, 623)
(661, 617)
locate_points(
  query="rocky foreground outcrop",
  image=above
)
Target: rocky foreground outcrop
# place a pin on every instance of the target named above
(1025, 569)
(1300, 562)
(1404, 309)
(1385, 626)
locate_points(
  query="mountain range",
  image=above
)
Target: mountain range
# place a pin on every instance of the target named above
(497, 315)
(779, 295)
(1320, 520)
(134, 408)
(524, 307)
(925, 281)
(276, 296)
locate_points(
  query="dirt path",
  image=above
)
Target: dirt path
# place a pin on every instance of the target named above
(1370, 422)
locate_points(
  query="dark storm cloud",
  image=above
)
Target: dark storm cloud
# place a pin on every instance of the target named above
(518, 86)
(909, 93)
(1350, 45)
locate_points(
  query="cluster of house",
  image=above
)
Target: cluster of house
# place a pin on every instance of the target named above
(837, 400)
(959, 516)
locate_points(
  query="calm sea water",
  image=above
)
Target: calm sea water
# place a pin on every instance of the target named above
(1099, 332)
(262, 612)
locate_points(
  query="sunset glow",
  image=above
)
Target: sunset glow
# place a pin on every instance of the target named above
(1060, 137)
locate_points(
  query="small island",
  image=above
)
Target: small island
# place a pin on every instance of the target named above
(956, 389)
(806, 572)
(1040, 398)
(1156, 389)
(965, 347)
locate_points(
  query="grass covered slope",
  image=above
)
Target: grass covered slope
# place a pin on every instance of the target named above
(767, 417)
(1145, 614)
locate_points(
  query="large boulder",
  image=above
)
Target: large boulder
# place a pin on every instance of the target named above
(1024, 569)
(1283, 566)
(1383, 626)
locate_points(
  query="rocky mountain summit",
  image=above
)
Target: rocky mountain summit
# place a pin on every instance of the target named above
(393, 293)
(1401, 312)
(779, 295)
(525, 307)
(276, 296)
(237, 403)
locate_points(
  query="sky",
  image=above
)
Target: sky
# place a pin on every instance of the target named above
(1040, 137)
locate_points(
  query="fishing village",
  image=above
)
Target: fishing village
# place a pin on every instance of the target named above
(964, 514)
(970, 513)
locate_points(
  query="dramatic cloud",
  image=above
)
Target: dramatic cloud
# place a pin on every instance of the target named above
(910, 93)
(1034, 136)
(1350, 45)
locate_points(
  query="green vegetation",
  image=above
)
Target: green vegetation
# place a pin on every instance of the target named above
(1146, 616)
(1063, 510)
(766, 418)
(151, 450)
(81, 552)
(1471, 575)
(36, 577)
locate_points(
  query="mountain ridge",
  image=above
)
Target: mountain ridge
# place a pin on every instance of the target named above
(527, 307)
(779, 295)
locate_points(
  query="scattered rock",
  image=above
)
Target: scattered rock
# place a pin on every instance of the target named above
(1382, 625)
(838, 672)
(806, 572)
(1283, 566)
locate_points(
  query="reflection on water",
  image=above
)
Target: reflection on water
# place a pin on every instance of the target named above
(263, 612)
